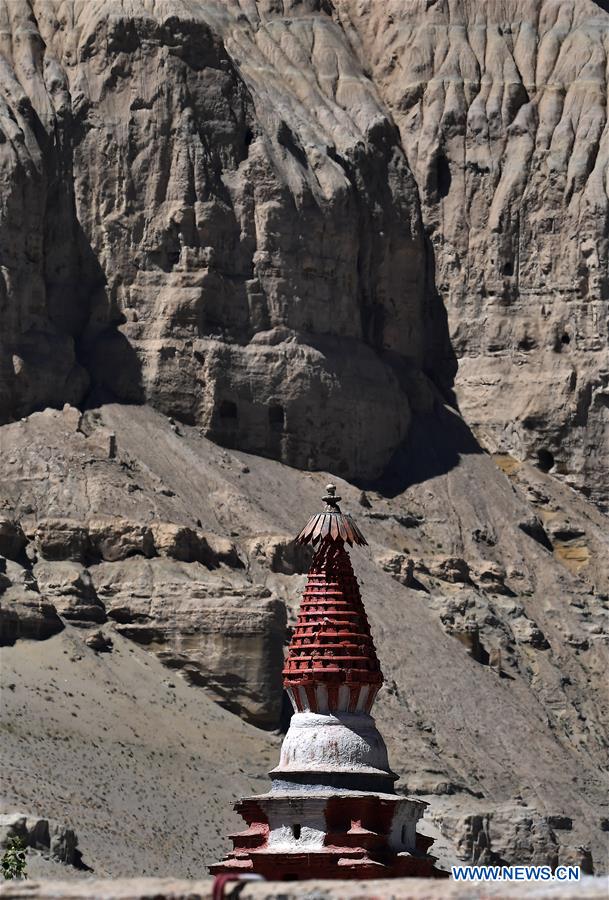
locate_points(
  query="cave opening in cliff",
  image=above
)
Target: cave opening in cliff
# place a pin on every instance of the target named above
(545, 460)
(276, 417)
(227, 410)
(444, 176)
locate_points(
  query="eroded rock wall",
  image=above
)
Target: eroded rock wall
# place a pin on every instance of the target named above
(239, 233)
(254, 216)
(502, 110)
(42, 306)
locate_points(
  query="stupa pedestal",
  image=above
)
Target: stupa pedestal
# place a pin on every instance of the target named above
(331, 811)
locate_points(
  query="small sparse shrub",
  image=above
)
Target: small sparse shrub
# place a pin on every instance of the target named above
(13, 862)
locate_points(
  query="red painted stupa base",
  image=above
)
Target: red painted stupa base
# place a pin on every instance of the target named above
(351, 847)
(334, 862)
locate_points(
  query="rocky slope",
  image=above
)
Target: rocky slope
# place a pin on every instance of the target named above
(278, 226)
(491, 625)
(131, 758)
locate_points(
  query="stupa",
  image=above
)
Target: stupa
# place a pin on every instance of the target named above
(332, 811)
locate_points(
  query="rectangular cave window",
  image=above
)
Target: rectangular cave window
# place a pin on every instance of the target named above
(296, 831)
(276, 417)
(227, 410)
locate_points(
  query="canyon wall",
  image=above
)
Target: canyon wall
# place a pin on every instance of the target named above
(238, 240)
(298, 229)
(502, 111)
(257, 217)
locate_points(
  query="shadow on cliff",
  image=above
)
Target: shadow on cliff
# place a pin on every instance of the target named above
(435, 444)
(440, 358)
(438, 438)
(112, 363)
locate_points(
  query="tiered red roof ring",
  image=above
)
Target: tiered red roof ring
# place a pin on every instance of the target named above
(332, 664)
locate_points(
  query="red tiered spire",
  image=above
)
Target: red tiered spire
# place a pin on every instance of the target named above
(332, 664)
(332, 811)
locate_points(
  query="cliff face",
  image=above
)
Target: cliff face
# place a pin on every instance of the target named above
(502, 110)
(280, 225)
(238, 240)
(210, 207)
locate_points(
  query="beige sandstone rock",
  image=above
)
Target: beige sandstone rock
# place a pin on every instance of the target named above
(279, 553)
(484, 839)
(57, 539)
(491, 577)
(99, 642)
(450, 568)
(69, 586)
(502, 112)
(114, 539)
(182, 543)
(400, 566)
(25, 614)
(222, 550)
(57, 841)
(219, 631)
(481, 838)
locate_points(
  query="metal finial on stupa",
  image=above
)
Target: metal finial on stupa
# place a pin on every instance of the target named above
(331, 524)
